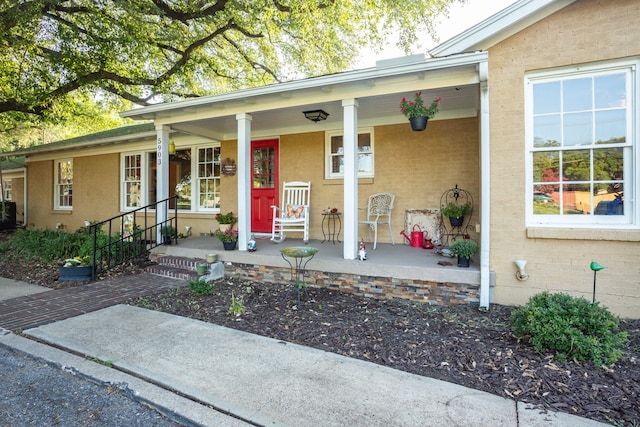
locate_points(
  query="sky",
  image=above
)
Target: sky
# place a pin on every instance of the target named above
(461, 17)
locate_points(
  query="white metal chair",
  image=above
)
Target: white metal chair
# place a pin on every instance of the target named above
(293, 215)
(379, 210)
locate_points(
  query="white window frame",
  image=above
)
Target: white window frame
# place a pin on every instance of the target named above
(124, 180)
(631, 149)
(7, 186)
(329, 155)
(58, 186)
(145, 177)
(195, 181)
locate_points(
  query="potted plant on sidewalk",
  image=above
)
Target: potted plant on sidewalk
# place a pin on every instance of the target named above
(76, 269)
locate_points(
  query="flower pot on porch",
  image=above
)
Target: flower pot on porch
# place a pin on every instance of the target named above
(229, 246)
(463, 261)
(418, 123)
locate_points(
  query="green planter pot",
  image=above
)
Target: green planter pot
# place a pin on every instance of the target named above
(201, 269)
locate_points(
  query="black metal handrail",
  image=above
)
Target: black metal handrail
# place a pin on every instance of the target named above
(119, 242)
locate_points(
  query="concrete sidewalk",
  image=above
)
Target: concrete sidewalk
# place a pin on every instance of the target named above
(262, 381)
(10, 289)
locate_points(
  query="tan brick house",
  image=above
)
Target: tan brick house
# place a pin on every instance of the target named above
(538, 122)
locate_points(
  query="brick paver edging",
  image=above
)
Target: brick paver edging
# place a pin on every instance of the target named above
(27, 312)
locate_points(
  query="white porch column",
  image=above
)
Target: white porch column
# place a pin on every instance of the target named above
(162, 174)
(244, 180)
(350, 144)
(485, 187)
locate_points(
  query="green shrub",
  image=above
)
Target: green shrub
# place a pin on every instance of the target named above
(200, 287)
(571, 327)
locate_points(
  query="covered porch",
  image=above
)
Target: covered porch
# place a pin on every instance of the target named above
(390, 271)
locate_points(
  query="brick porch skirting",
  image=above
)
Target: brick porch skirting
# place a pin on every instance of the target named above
(434, 293)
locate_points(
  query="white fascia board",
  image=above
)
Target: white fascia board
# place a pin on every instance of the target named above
(369, 74)
(49, 148)
(500, 26)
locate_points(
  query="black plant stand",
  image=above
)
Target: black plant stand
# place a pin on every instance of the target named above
(449, 232)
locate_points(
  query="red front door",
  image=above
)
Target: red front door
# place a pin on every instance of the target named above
(264, 183)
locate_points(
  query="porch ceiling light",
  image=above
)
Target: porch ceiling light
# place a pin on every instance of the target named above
(172, 148)
(316, 115)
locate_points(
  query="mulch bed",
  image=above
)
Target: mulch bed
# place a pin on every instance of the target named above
(458, 344)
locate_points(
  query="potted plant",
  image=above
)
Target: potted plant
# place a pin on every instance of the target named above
(417, 113)
(228, 237)
(456, 213)
(168, 234)
(226, 220)
(464, 249)
(76, 269)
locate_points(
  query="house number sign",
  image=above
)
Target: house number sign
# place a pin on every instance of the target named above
(159, 153)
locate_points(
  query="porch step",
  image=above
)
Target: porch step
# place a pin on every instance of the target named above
(175, 267)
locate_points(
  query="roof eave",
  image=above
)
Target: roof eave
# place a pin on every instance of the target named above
(500, 26)
(49, 148)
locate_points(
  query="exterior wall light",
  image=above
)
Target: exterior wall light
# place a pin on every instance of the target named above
(172, 148)
(521, 274)
(316, 115)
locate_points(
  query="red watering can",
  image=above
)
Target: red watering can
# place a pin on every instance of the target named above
(416, 237)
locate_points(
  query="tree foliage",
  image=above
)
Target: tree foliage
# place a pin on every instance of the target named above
(145, 51)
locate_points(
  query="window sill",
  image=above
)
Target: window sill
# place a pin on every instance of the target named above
(340, 181)
(613, 234)
(62, 211)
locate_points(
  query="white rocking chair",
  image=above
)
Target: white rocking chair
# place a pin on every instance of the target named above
(293, 215)
(379, 212)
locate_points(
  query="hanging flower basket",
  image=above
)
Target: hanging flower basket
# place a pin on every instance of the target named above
(418, 123)
(418, 113)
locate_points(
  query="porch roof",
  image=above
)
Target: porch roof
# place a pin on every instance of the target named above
(277, 108)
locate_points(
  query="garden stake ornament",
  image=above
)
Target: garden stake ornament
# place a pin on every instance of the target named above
(595, 267)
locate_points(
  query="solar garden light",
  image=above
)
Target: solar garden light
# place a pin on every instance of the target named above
(595, 267)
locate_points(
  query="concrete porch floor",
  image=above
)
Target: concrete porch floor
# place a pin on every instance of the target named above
(399, 261)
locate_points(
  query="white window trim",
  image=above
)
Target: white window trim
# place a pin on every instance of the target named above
(328, 174)
(56, 188)
(143, 181)
(195, 182)
(8, 188)
(631, 218)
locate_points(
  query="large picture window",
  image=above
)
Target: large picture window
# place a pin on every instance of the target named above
(63, 185)
(581, 146)
(334, 149)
